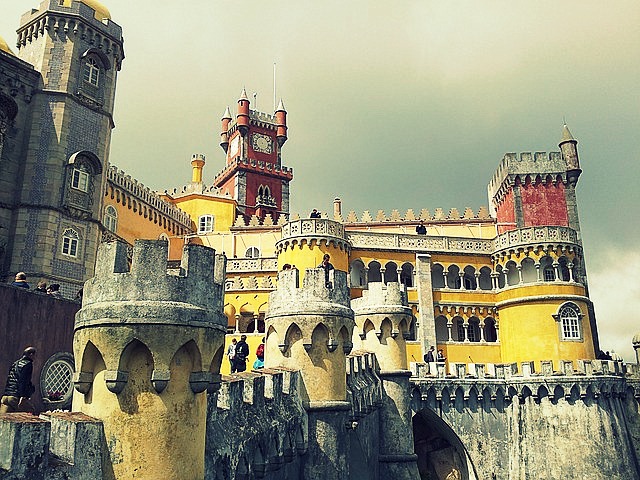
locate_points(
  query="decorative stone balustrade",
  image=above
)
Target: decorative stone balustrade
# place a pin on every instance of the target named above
(536, 236)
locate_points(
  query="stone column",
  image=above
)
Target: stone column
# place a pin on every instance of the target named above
(427, 327)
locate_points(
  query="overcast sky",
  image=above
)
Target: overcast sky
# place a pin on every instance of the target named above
(397, 105)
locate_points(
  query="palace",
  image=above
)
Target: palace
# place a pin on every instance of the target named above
(501, 290)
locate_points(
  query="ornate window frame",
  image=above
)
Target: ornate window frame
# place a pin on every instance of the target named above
(570, 325)
(70, 243)
(56, 381)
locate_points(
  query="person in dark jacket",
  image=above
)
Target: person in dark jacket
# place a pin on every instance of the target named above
(21, 280)
(19, 387)
(242, 352)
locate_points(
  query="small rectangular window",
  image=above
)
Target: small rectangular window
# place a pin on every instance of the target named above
(70, 246)
(205, 224)
(570, 328)
(80, 180)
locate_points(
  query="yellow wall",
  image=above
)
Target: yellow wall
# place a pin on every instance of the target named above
(196, 205)
(309, 255)
(253, 340)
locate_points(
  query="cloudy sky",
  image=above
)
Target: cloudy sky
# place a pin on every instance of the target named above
(405, 104)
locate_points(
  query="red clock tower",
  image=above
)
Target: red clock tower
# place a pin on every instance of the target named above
(254, 175)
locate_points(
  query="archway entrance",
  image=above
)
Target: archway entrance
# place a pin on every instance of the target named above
(441, 455)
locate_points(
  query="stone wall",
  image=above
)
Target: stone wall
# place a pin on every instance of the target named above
(29, 318)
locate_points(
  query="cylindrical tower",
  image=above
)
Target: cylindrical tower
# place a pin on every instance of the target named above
(310, 329)
(242, 119)
(569, 149)
(197, 164)
(383, 318)
(281, 121)
(224, 132)
(304, 243)
(147, 345)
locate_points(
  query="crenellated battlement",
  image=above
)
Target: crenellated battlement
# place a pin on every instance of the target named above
(383, 298)
(579, 379)
(148, 292)
(527, 167)
(313, 298)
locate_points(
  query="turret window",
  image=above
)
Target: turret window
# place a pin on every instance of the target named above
(70, 240)
(252, 252)
(110, 218)
(80, 180)
(91, 72)
(205, 224)
(569, 318)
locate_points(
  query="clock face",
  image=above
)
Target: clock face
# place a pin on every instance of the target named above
(234, 147)
(261, 143)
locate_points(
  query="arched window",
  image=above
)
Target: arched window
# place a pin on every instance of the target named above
(374, 274)
(70, 240)
(163, 236)
(110, 219)
(490, 331)
(485, 279)
(453, 277)
(91, 72)
(473, 330)
(569, 316)
(205, 224)
(437, 276)
(56, 380)
(252, 252)
(357, 274)
(406, 275)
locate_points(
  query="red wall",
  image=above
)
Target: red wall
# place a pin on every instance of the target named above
(506, 213)
(28, 318)
(544, 204)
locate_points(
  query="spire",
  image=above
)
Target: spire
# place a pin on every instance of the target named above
(224, 133)
(227, 114)
(281, 107)
(243, 95)
(566, 134)
(281, 121)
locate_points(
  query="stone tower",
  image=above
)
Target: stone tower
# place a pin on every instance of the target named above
(537, 189)
(310, 328)
(57, 207)
(383, 317)
(254, 175)
(147, 345)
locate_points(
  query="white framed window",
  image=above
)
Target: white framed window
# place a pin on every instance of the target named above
(91, 72)
(570, 321)
(110, 218)
(569, 318)
(70, 240)
(205, 224)
(252, 252)
(80, 180)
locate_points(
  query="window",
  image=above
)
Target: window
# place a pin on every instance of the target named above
(549, 274)
(80, 180)
(91, 72)
(205, 224)
(570, 322)
(110, 218)
(70, 242)
(56, 380)
(252, 252)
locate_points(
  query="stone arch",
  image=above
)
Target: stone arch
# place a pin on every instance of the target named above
(474, 329)
(563, 269)
(406, 274)
(292, 336)
(484, 281)
(453, 277)
(490, 330)
(459, 330)
(437, 444)
(437, 276)
(547, 271)
(185, 360)
(374, 274)
(513, 278)
(386, 330)
(501, 280)
(442, 331)
(345, 340)
(469, 278)
(529, 272)
(390, 272)
(357, 274)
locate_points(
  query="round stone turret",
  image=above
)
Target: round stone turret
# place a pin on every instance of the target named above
(383, 318)
(148, 343)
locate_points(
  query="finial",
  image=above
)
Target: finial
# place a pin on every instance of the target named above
(566, 134)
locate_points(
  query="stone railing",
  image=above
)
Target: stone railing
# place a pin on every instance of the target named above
(535, 235)
(370, 240)
(585, 378)
(238, 265)
(309, 229)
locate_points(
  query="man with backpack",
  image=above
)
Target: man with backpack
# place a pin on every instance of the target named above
(242, 352)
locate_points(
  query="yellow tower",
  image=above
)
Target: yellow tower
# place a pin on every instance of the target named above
(147, 345)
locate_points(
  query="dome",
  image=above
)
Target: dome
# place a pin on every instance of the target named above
(100, 9)
(4, 47)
